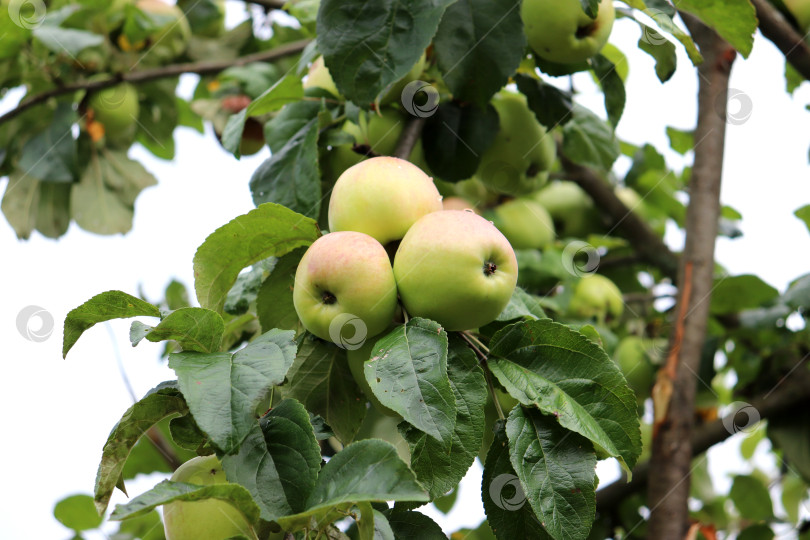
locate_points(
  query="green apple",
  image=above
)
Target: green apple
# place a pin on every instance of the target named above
(319, 77)
(205, 17)
(525, 223)
(357, 359)
(633, 359)
(172, 35)
(458, 203)
(597, 297)
(560, 31)
(571, 209)
(377, 425)
(117, 109)
(476, 192)
(214, 519)
(634, 202)
(455, 268)
(518, 161)
(800, 9)
(344, 288)
(382, 197)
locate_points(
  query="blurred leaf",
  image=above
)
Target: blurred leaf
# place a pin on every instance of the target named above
(756, 532)
(803, 214)
(69, 41)
(445, 503)
(279, 460)
(794, 491)
(414, 525)
(50, 156)
(681, 141)
(53, 209)
(478, 46)
(270, 230)
(103, 307)
(158, 117)
(798, 293)
(664, 14)
(366, 45)
(791, 434)
(223, 389)
(612, 87)
(751, 498)
(21, 202)
(407, 372)
(145, 527)
(589, 141)
(662, 51)
(77, 512)
(550, 105)
(736, 293)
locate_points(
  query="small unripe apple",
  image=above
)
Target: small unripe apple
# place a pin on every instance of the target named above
(633, 359)
(633, 201)
(455, 268)
(117, 109)
(560, 31)
(571, 209)
(209, 518)
(206, 18)
(525, 223)
(518, 161)
(171, 39)
(382, 197)
(596, 297)
(344, 288)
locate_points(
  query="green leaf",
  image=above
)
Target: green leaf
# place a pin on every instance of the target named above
(803, 214)
(440, 467)
(736, 293)
(663, 14)
(21, 202)
(368, 45)
(735, 20)
(756, 532)
(550, 105)
(791, 434)
(589, 141)
(478, 46)
(145, 527)
(522, 305)
(103, 201)
(565, 374)
(270, 230)
(289, 121)
(414, 526)
(794, 490)
(274, 302)
(286, 90)
(504, 500)
(244, 291)
(146, 457)
(103, 307)
(612, 87)
(290, 176)
(158, 117)
(160, 402)
(662, 51)
(186, 434)
(195, 329)
(751, 498)
(407, 372)
(557, 470)
(590, 7)
(50, 156)
(166, 492)
(223, 389)
(279, 461)
(681, 141)
(320, 379)
(77, 512)
(455, 137)
(68, 41)
(53, 210)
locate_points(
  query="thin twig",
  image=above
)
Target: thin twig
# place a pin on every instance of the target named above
(472, 341)
(145, 75)
(410, 136)
(778, 30)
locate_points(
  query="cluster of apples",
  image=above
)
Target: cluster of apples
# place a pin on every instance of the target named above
(450, 266)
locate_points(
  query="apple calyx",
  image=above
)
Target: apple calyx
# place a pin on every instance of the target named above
(490, 268)
(328, 298)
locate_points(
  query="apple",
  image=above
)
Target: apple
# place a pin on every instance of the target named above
(800, 9)
(518, 161)
(634, 202)
(570, 207)
(476, 192)
(209, 518)
(525, 223)
(377, 425)
(458, 203)
(382, 197)
(172, 35)
(117, 109)
(455, 268)
(560, 31)
(206, 18)
(344, 288)
(356, 359)
(633, 359)
(319, 77)
(597, 297)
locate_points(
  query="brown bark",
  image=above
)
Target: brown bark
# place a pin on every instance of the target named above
(674, 391)
(777, 29)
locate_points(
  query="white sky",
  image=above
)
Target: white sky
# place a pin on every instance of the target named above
(56, 414)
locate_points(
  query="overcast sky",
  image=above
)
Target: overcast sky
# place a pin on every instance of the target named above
(56, 414)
